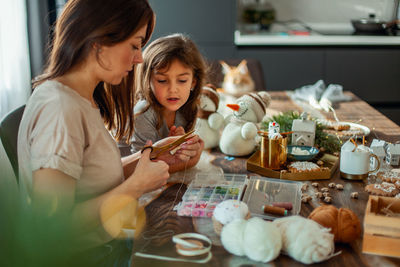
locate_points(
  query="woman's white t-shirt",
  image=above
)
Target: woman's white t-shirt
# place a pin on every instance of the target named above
(61, 130)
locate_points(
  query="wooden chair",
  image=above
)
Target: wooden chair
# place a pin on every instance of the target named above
(216, 77)
(9, 134)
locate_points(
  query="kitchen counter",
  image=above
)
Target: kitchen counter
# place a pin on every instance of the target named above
(266, 39)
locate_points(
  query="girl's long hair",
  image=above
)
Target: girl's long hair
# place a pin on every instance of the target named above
(81, 25)
(158, 55)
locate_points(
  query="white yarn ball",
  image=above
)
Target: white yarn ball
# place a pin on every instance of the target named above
(305, 240)
(232, 236)
(262, 240)
(229, 210)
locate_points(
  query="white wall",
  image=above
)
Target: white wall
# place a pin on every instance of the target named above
(321, 14)
(334, 11)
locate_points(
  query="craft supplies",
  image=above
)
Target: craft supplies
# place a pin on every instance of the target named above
(343, 223)
(255, 238)
(285, 205)
(312, 243)
(274, 210)
(265, 191)
(171, 147)
(208, 190)
(187, 244)
(228, 211)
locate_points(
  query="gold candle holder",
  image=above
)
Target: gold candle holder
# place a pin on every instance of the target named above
(273, 152)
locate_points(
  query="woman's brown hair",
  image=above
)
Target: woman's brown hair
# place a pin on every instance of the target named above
(85, 23)
(158, 55)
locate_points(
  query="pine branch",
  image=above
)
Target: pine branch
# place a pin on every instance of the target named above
(330, 143)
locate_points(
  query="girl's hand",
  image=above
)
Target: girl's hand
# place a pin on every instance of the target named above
(189, 149)
(148, 175)
(174, 131)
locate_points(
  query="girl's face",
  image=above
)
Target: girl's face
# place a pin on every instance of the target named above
(118, 60)
(171, 86)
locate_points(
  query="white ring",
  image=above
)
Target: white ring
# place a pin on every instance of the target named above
(178, 239)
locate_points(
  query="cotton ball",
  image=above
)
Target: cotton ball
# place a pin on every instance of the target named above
(228, 211)
(249, 130)
(305, 240)
(262, 240)
(232, 236)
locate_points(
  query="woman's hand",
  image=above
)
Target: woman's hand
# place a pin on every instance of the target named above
(174, 131)
(149, 175)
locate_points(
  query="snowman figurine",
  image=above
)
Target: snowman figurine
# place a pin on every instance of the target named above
(238, 136)
(209, 121)
(274, 130)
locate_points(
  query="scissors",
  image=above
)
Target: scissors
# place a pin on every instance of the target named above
(156, 151)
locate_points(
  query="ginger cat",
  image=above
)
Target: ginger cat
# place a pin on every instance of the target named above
(237, 80)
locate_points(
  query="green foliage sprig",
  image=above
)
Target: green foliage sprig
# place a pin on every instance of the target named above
(329, 142)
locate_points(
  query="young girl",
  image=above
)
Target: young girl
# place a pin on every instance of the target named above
(169, 82)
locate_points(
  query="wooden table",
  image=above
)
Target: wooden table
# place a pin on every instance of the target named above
(160, 217)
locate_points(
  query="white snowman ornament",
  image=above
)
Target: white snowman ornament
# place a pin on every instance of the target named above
(209, 121)
(274, 130)
(238, 136)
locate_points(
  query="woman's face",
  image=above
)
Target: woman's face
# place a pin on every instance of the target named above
(171, 86)
(118, 60)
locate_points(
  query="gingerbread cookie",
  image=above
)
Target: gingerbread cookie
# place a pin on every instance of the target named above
(303, 166)
(341, 126)
(397, 184)
(389, 176)
(384, 189)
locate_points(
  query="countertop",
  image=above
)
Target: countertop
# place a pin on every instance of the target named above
(262, 39)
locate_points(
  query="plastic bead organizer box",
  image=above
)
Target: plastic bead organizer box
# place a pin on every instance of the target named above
(207, 190)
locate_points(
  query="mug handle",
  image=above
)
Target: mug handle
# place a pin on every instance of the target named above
(377, 160)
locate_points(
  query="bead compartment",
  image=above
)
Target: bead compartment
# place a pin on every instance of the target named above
(208, 190)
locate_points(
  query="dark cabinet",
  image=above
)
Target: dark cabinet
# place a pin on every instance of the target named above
(371, 73)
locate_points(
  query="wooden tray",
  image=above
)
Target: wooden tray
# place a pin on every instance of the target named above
(330, 161)
(381, 232)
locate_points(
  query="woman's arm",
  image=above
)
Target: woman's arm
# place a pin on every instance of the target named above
(129, 163)
(54, 191)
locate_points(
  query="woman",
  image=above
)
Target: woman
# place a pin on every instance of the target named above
(68, 160)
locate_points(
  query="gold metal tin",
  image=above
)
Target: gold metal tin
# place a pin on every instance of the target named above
(273, 152)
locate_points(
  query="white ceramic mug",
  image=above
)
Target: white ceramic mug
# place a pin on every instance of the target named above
(355, 162)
